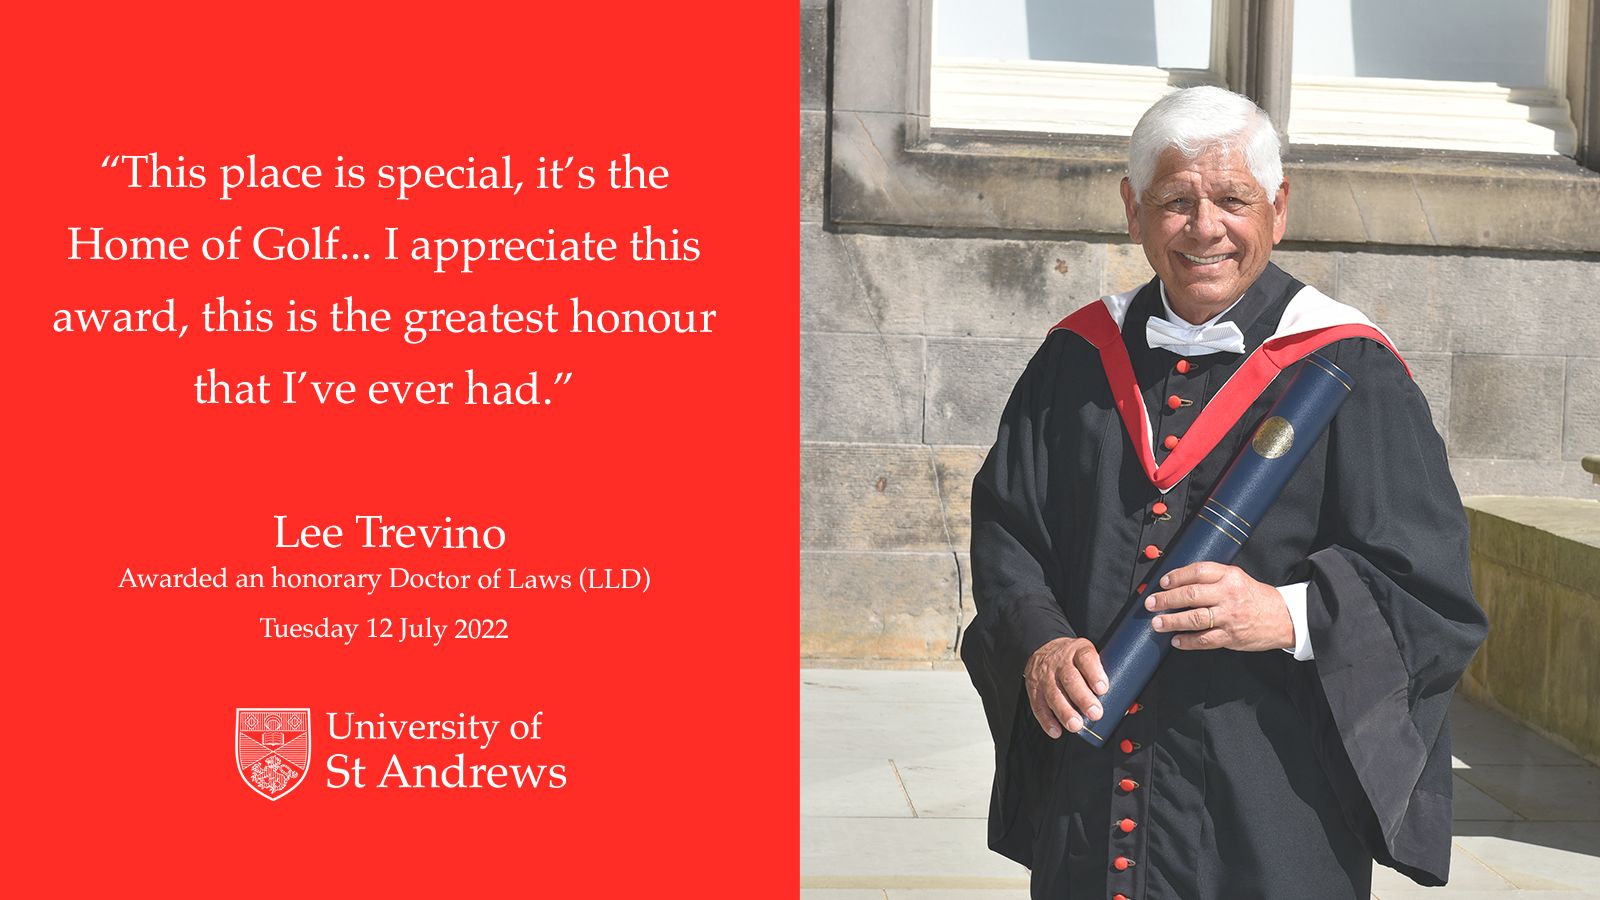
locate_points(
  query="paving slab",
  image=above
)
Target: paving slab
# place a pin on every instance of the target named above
(886, 686)
(911, 894)
(906, 853)
(1484, 737)
(1466, 873)
(844, 786)
(1541, 793)
(900, 731)
(1452, 894)
(1018, 894)
(1527, 813)
(950, 789)
(1538, 855)
(1473, 805)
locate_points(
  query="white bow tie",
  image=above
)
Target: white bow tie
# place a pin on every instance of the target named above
(1193, 340)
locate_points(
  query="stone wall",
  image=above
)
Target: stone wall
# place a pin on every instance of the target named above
(1536, 570)
(910, 343)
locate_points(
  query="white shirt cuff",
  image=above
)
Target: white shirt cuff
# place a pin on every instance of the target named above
(1294, 597)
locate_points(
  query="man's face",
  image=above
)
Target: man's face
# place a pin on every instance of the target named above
(1207, 228)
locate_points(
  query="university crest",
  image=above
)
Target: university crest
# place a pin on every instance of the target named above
(273, 749)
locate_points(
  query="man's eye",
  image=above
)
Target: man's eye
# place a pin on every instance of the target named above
(1178, 205)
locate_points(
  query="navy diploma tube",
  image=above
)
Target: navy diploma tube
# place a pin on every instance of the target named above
(1218, 530)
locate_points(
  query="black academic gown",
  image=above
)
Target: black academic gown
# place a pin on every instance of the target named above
(1250, 774)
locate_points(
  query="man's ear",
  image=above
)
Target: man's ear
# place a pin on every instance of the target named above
(1130, 205)
(1280, 212)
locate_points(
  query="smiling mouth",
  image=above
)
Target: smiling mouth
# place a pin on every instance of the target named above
(1204, 260)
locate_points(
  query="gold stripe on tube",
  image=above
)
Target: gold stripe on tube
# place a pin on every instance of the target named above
(1235, 515)
(1224, 531)
(1224, 519)
(1314, 361)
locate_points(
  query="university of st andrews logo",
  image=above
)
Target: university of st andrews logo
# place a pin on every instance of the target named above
(273, 749)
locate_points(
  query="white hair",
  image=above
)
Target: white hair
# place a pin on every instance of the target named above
(1194, 120)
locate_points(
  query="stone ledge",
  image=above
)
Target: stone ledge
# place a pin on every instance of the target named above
(884, 176)
(1555, 538)
(1536, 572)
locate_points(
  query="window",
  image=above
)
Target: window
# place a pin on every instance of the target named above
(1073, 66)
(1457, 74)
(901, 152)
(1477, 75)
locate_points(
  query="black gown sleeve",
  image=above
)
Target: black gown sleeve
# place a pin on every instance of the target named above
(1017, 611)
(1391, 617)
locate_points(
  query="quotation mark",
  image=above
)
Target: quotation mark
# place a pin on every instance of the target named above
(562, 378)
(110, 162)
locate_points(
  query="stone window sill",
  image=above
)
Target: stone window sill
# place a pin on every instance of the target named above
(888, 171)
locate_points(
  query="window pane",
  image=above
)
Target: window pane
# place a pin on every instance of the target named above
(1444, 74)
(1171, 34)
(1499, 41)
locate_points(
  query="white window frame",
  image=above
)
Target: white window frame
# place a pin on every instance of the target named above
(1098, 99)
(1448, 115)
(1062, 97)
(889, 172)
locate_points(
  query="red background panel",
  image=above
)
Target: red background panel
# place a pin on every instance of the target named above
(673, 710)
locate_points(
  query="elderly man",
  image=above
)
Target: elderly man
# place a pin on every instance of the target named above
(1298, 731)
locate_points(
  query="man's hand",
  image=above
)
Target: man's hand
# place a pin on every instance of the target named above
(1225, 609)
(1064, 681)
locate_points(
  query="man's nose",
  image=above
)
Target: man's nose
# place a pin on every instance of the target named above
(1206, 221)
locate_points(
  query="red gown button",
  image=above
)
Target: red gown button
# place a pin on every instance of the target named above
(1151, 551)
(1183, 367)
(1122, 863)
(1170, 441)
(1127, 825)
(1128, 785)
(1159, 508)
(1174, 402)
(1134, 707)
(1119, 897)
(1141, 587)
(1128, 746)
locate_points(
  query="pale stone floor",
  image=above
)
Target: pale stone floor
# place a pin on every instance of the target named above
(894, 782)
